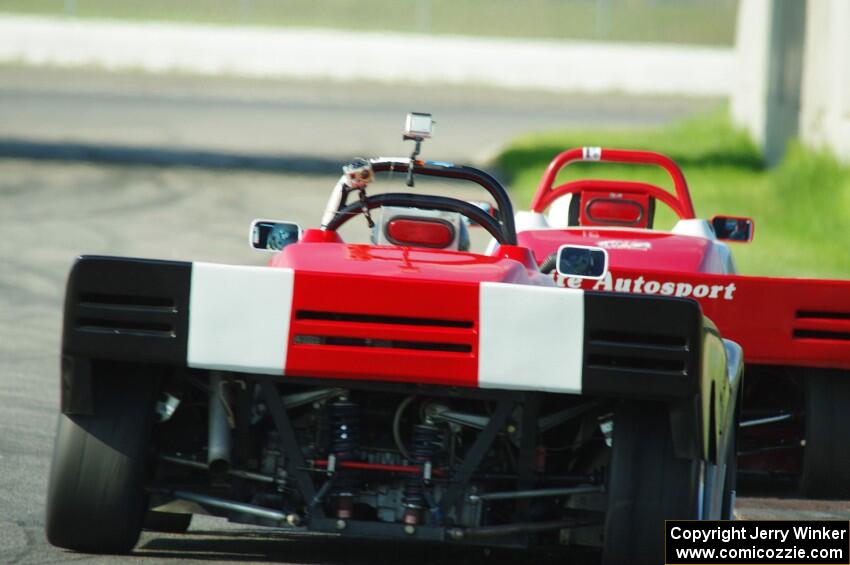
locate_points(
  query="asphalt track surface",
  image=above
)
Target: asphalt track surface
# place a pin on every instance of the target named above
(309, 126)
(51, 211)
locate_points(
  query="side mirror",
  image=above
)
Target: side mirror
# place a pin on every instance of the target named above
(273, 235)
(730, 228)
(489, 208)
(582, 261)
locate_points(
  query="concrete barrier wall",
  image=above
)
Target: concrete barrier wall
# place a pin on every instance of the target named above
(793, 74)
(749, 96)
(825, 112)
(567, 66)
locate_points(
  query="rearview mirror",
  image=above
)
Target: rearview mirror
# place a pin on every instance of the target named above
(730, 228)
(582, 261)
(273, 235)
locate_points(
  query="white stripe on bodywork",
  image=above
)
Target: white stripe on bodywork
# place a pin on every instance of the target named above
(239, 318)
(530, 338)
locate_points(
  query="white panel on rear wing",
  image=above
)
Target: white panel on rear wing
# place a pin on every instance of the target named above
(530, 338)
(239, 318)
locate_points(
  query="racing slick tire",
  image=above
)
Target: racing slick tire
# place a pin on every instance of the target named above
(730, 469)
(96, 500)
(167, 522)
(826, 457)
(730, 483)
(647, 484)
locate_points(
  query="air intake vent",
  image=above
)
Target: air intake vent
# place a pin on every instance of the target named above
(807, 314)
(120, 314)
(818, 325)
(379, 319)
(125, 326)
(125, 301)
(387, 343)
(637, 352)
(674, 341)
(345, 329)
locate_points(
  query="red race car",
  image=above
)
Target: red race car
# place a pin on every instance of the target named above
(404, 389)
(795, 333)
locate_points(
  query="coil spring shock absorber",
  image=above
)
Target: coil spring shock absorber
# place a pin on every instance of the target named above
(344, 418)
(426, 441)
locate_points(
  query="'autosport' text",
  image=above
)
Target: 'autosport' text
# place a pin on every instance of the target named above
(641, 285)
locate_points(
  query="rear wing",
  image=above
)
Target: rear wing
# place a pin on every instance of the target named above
(777, 321)
(281, 322)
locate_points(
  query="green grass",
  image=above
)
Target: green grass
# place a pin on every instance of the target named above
(703, 22)
(801, 208)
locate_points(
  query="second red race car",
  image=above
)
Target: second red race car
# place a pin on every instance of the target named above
(795, 333)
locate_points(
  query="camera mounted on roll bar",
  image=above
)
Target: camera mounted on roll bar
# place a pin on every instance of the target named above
(417, 128)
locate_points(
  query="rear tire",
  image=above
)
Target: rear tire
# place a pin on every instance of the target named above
(647, 485)
(96, 499)
(826, 457)
(167, 522)
(730, 485)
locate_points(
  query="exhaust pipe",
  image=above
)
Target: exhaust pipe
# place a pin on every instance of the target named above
(218, 440)
(290, 519)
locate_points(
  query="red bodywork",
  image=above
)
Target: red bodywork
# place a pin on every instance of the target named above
(627, 248)
(777, 321)
(339, 278)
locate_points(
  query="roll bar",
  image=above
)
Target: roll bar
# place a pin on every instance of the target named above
(425, 201)
(505, 209)
(501, 226)
(546, 194)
